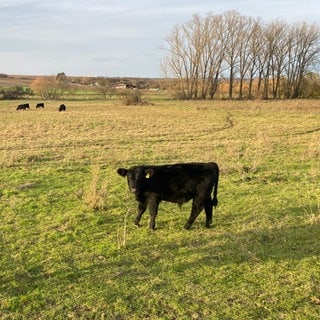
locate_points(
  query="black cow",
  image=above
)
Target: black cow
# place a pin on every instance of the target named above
(23, 106)
(177, 183)
(40, 105)
(62, 107)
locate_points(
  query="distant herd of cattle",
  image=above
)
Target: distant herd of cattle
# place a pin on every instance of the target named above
(26, 106)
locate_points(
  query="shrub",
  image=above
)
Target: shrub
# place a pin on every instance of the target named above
(12, 93)
(131, 98)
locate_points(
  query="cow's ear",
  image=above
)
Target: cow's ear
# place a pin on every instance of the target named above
(122, 172)
(149, 173)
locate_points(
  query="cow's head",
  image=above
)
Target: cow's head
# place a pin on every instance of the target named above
(138, 177)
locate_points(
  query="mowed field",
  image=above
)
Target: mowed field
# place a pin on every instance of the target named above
(69, 250)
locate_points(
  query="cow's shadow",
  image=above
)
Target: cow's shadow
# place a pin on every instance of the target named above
(292, 242)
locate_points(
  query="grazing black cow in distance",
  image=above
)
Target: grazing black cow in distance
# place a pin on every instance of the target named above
(177, 183)
(40, 105)
(62, 107)
(23, 106)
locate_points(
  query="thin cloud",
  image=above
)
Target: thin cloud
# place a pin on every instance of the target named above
(106, 37)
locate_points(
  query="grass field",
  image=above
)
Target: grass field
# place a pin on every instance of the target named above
(69, 249)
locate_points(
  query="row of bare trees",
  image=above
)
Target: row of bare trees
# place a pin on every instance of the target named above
(254, 59)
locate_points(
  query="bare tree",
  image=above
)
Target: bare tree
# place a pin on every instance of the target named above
(247, 48)
(270, 43)
(174, 64)
(279, 57)
(50, 87)
(255, 53)
(303, 54)
(211, 53)
(206, 57)
(233, 24)
(216, 53)
(104, 87)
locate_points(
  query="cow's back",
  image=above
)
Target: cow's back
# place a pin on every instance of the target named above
(182, 182)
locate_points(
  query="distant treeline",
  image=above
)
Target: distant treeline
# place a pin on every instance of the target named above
(235, 56)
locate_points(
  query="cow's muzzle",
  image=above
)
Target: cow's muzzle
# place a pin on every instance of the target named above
(133, 190)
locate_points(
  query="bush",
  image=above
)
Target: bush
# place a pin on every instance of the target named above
(13, 93)
(131, 98)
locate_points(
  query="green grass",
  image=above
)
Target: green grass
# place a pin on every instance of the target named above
(69, 249)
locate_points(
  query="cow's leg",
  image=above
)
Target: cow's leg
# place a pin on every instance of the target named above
(153, 208)
(197, 206)
(141, 209)
(208, 204)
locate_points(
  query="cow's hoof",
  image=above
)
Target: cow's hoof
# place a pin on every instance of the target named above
(208, 224)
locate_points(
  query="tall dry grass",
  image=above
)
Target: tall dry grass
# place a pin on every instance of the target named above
(95, 195)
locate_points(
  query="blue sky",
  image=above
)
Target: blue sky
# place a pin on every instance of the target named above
(112, 38)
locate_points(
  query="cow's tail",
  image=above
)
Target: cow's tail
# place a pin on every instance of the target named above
(215, 190)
